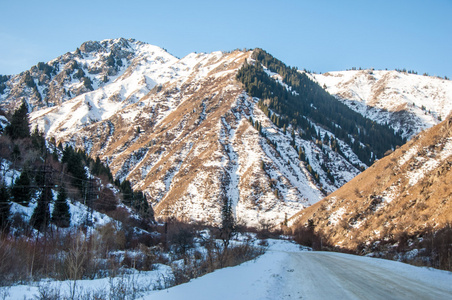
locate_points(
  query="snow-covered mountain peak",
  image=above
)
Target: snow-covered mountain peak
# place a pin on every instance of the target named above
(137, 73)
(179, 130)
(408, 102)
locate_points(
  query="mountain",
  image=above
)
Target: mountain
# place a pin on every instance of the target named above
(401, 202)
(194, 134)
(406, 101)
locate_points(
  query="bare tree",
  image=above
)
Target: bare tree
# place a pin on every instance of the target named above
(76, 260)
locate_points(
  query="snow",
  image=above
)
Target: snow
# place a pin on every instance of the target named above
(447, 150)
(278, 78)
(146, 280)
(379, 94)
(336, 216)
(8, 175)
(389, 195)
(429, 162)
(3, 122)
(149, 67)
(407, 156)
(249, 280)
(278, 274)
(134, 86)
(419, 173)
(80, 213)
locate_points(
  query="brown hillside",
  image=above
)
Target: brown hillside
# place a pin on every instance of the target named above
(405, 193)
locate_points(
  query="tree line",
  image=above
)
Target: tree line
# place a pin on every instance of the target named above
(47, 168)
(306, 103)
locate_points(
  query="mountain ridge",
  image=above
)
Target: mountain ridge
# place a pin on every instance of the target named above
(400, 200)
(183, 131)
(407, 102)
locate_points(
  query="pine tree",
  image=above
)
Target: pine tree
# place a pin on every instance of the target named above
(97, 166)
(41, 215)
(5, 206)
(228, 227)
(16, 154)
(75, 166)
(61, 215)
(127, 192)
(21, 191)
(142, 206)
(37, 139)
(310, 104)
(19, 126)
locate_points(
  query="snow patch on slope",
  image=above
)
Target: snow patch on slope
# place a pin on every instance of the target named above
(384, 96)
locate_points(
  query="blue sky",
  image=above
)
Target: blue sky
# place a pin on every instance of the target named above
(317, 35)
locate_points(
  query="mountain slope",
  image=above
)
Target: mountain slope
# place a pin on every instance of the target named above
(180, 130)
(92, 66)
(187, 134)
(409, 103)
(182, 136)
(406, 194)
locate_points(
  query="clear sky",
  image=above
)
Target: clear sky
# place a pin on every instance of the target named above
(317, 35)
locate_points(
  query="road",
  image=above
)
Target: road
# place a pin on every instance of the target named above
(327, 275)
(284, 272)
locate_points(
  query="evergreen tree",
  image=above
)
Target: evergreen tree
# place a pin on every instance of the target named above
(5, 206)
(142, 206)
(19, 126)
(41, 215)
(228, 227)
(75, 165)
(61, 215)
(38, 140)
(21, 191)
(16, 154)
(126, 189)
(97, 166)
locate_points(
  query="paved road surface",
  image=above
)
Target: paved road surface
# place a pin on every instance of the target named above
(324, 275)
(285, 272)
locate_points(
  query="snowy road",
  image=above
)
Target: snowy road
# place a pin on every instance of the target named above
(323, 275)
(285, 272)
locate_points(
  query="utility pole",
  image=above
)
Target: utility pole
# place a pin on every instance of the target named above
(91, 196)
(47, 172)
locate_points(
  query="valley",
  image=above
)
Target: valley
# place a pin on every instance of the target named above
(191, 164)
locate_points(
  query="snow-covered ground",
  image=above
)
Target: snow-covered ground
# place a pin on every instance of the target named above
(103, 288)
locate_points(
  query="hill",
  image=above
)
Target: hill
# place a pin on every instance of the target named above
(400, 207)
